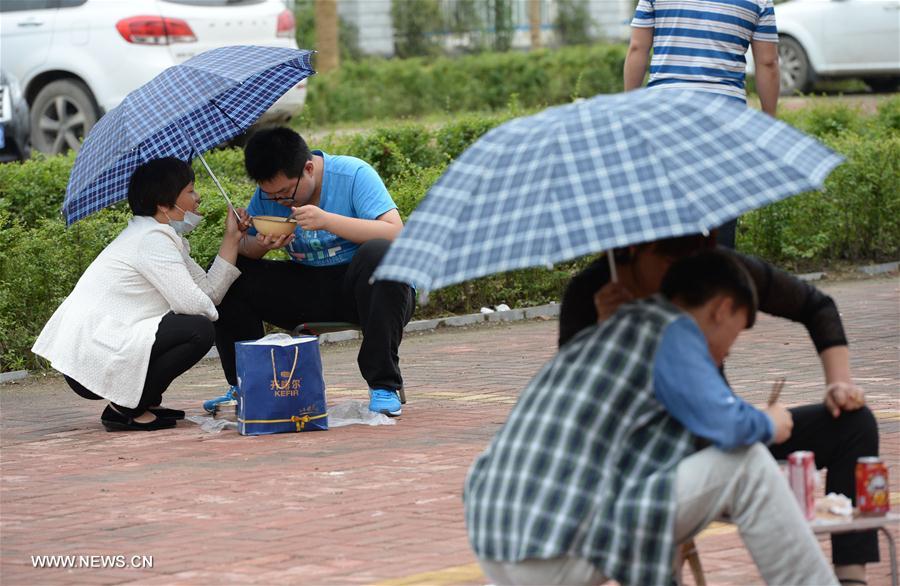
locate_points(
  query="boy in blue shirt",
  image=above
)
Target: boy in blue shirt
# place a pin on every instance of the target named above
(346, 220)
(603, 467)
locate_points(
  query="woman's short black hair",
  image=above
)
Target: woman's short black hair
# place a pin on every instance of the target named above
(698, 278)
(676, 247)
(157, 183)
(273, 150)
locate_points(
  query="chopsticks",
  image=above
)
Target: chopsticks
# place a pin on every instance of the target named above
(776, 391)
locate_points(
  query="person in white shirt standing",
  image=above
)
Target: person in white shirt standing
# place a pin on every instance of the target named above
(700, 45)
(142, 313)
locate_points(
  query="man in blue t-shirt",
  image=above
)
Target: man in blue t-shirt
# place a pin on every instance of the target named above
(346, 220)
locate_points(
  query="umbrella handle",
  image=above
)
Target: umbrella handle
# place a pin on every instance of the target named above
(613, 276)
(219, 185)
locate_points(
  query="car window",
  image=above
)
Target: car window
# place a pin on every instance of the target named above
(216, 2)
(16, 5)
(70, 3)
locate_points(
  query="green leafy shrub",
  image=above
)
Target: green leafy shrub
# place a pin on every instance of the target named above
(856, 218)
(39, 266)
(887, 120)
(826, 119)
(35, 188)
(410, 187)
(398, 88)
(393, 150)
(452, 139)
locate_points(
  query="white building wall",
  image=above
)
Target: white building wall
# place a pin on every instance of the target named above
(611, 19)
(373, 20)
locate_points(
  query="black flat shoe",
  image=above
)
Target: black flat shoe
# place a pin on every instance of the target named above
(166, 413)
(112, 420)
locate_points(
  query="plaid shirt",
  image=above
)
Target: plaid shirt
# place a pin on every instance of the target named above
(585, 464)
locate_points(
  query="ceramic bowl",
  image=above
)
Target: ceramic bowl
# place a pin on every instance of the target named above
(274, 225)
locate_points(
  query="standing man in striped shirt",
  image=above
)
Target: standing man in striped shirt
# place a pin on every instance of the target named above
(700, 45)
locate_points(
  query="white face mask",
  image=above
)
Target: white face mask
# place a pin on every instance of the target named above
(190, 221)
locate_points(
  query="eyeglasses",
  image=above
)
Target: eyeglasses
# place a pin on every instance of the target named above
(276, 197)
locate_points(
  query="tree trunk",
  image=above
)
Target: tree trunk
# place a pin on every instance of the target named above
(328, 56)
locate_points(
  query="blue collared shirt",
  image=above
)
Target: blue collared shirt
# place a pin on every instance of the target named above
(690, 386)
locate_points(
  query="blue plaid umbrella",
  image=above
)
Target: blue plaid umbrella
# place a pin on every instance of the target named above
(610, 171)
(182, 112)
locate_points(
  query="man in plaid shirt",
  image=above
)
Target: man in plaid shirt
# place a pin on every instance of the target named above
(600, 471)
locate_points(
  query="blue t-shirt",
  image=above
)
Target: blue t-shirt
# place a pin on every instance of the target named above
(351, 188)
(687, 382)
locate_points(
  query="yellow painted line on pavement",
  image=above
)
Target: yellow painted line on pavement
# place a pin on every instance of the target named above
(886, 414)
(444, 577)
(479, 398)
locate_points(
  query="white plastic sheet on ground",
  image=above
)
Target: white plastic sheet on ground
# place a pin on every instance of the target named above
(210, 425)
(339, 415)
(355, 412)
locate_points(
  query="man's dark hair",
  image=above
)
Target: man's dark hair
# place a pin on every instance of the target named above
(157, 183)
(273, 150)
(696, 279)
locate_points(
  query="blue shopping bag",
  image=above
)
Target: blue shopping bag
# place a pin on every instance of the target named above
(281, 388)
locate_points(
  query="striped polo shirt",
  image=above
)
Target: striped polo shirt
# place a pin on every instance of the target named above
(700, 44)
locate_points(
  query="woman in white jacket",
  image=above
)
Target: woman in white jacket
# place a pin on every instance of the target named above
(142, 313)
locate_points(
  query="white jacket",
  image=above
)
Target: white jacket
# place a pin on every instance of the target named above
(102, 333)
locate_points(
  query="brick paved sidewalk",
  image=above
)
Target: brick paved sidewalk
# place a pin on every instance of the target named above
(357, 504)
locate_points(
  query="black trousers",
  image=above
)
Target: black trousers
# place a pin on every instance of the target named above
(181, 341)
(837, 443)
(286, 294)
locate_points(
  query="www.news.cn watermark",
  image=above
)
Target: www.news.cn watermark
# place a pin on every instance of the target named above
(92, 561)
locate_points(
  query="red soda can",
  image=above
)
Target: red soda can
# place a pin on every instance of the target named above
(802, 477)
(872, 494)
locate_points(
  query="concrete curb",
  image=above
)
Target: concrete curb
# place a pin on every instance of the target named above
(880, 269)
(424, 325)
(540, 311)
(8, 377)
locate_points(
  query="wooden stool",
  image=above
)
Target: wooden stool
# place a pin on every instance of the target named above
(688, 553)
(317, 328)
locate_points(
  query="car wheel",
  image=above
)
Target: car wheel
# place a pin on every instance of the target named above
(794, 67)
(61, 116)
(882, 84)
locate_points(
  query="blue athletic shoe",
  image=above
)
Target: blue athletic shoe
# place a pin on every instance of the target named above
(385, 401)
(230, 395)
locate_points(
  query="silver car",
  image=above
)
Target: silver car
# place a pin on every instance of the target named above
(833, 39)
(77, 59)
(14, 122)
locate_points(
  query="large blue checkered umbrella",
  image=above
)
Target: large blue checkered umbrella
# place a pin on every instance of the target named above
(610, 171)
(182, 112)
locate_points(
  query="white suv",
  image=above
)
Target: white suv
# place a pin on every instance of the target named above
(828, 39)
(77, 59)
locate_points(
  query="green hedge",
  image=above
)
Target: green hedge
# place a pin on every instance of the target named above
(396, 88)
(856, 218)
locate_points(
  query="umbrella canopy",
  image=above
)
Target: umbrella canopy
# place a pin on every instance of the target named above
(182, 112)
(606, 172)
